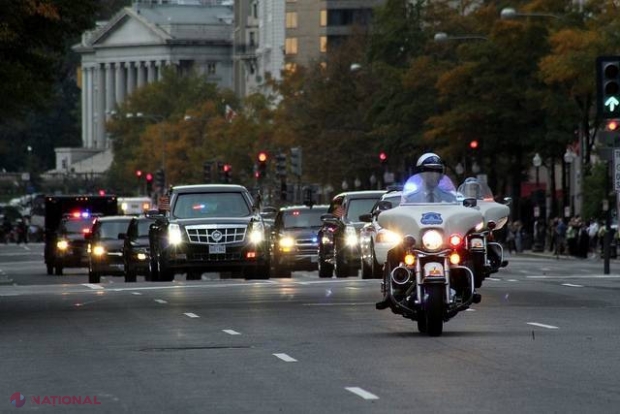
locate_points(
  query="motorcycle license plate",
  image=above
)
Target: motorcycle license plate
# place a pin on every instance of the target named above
(476, 243)
(433, 269)
(217, 248)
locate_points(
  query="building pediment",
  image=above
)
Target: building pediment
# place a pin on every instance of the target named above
(128, 27)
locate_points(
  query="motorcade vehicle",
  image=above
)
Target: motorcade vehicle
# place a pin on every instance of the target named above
(484, 256)
(210, 228)
(338, 250)
(136, 248)
(105, 248)
(295, 240)
(134, 205)
(68, 218)
(425, 279)
(371, 268)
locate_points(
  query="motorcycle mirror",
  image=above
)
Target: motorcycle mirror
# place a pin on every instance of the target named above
(366, 218)
(329, 218)
(470, 202)
(384, 205)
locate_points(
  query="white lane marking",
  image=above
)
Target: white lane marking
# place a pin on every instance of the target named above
(545, 269)
(191, 315)
(542, 325)
(26, 247)
(524, 271)
(285, 357)
(494, 279)
(362, 393)
(231, 332)
(470, 310)
(352, 288)
(571, 285)
(93, 286)
(512, 280)
(160, 301)
(136, 293)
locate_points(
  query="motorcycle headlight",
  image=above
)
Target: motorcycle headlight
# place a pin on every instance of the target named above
(62, 245)
(174, 234)
(432, 240)
(350, 236)
(98, 250)
(257, 233)
(389, 237)
(286, 243)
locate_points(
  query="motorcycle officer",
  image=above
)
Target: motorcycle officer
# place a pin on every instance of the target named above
(432, 169)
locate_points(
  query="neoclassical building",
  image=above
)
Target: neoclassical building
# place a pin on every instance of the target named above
(132, 50)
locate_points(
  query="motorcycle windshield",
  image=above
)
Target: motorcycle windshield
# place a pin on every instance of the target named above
(429, 188)
(474, 188)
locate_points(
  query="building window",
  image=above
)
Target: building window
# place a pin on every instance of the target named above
(290, 46)
(255, 10)
(323, 44)
(323, 18)
(252, 39)
(211, 68)
(291, 20)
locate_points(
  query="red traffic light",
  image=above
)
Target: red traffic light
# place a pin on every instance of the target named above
(473, 144)
(138, 173)
(382, 157)
(149, 177)
(101, 192)
(262, 156)
(612, 125)
(227, 167)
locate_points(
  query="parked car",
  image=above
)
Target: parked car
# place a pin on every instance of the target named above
(105, 248)
(295, 240)
(339, 235)
(136, 249)
(371, 269)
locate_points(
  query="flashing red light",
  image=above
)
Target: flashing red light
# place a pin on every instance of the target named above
(612, 125)
(455, 240)
(262, 156)
(149, 177)
(101, 192)
(138, 173)
(382, 156)
(473, 144)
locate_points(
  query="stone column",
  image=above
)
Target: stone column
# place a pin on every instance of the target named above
(120, 83)
(150, 67)
(109, 90)
(141, 74)
(90, 113)
(160, 70)
(84, 112)
(131, 77)
(100, 134)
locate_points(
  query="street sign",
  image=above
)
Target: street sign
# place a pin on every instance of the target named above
(617, 169)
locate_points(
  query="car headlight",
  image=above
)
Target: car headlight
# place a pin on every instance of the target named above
(350, 236)
(432, 240)
(389, 237)
(257, 233)
(141, 256)
(62, 245)
(287, 243)
(174, 234)
(98, 250)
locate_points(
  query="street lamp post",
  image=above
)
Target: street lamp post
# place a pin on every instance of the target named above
(539, 233)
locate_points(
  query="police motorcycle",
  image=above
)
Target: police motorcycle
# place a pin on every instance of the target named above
(485, 256)
(424, 277)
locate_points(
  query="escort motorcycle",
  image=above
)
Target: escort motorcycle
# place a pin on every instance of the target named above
(422, 243)
(484, 256)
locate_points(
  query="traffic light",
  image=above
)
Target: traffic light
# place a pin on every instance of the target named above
(383, 158)
(262, 165)
(139, 174)
(296, 161)
(206, 171)
(473, 144)
(281, 165)
(612, 125)
(160, 179)
(149, 183)
(608, 86)
(227, 168)
(221, 175)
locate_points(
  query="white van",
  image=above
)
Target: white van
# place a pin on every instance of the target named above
(134, 205)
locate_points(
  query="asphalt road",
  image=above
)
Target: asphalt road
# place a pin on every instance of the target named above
(544, 338)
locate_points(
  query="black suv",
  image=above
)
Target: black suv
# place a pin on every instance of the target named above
(71, 242)
(210, 228)
(339, 236)
(106, 248)
(136, 249)
(295, 240)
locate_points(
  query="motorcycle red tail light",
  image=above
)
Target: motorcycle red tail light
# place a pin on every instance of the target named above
(455, 240)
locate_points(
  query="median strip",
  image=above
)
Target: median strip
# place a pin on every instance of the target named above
(362, 393)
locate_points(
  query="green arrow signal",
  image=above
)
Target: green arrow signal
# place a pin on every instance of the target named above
(612, 103)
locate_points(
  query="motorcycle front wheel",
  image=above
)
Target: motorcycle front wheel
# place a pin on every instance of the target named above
(433, 311)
